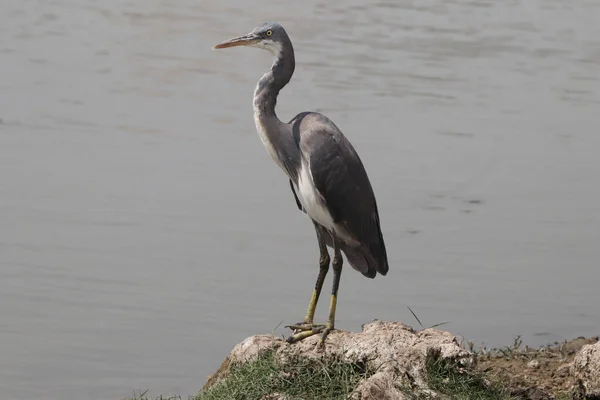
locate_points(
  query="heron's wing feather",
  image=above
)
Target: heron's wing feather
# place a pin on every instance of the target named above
(340, 178)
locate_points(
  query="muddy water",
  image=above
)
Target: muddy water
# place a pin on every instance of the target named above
(144, 230)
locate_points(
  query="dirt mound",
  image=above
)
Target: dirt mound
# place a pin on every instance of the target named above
(391, 361)
(540, 373)
(397, 352)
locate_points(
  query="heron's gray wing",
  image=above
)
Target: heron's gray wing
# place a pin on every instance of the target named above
(340, 178)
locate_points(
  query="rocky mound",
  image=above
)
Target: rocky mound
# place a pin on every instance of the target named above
(399, 361)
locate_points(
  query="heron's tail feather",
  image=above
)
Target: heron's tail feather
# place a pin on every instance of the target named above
(367, 260)
(379, 253)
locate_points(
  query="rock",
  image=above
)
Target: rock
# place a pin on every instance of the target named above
(396, 351)
(378, 387)
(250, 348)
(586, 370)
(389, 347)
(533, 364)
(243, 352)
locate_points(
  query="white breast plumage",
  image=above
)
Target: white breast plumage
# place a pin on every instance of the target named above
(311, 200)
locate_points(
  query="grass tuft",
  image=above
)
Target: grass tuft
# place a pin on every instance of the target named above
(299, 377)
(144, 396)
(449, 379)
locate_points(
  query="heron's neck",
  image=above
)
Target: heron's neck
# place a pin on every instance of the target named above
(268, 87)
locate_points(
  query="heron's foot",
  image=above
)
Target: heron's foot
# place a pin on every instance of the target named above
(324, 335)
(305, 326)
(311, 330)
(296, 337)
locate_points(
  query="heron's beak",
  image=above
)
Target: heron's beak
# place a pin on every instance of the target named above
(246, 40)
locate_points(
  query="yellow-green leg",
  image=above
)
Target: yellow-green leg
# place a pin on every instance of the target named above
(307, 328)
(337, 274)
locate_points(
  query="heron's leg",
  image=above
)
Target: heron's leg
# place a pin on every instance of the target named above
(324, 259)
(329, 326)
(337, 273)
(323, 269)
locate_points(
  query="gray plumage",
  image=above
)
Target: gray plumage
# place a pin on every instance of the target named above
(344, 188)
(326, 175)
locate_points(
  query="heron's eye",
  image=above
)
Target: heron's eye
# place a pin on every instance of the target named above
(269, 32)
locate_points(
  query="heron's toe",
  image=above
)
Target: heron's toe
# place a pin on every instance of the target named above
(296, 337)
(325, 332)
(304, 326)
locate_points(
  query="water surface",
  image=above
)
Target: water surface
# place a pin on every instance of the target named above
(144, 230)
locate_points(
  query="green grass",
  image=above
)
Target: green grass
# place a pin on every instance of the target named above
(448, 379)
(299, 377)
(144, 396)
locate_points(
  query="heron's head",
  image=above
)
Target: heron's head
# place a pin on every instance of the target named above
(269, 36)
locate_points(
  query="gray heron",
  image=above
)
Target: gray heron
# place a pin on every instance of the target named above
(326, 176)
